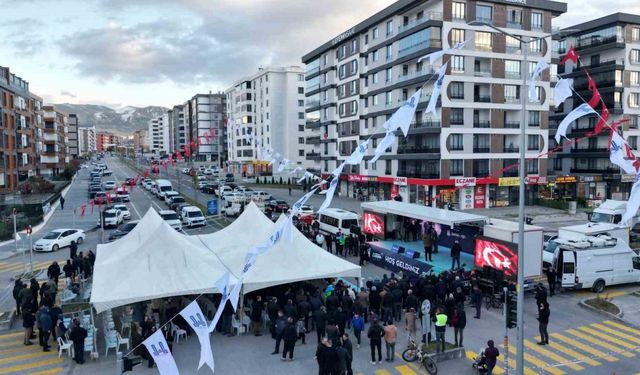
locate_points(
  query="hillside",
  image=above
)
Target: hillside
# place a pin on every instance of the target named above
(124, 120)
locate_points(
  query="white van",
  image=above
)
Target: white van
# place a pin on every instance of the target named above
(611, 211)
(595, 262)
(161, 187)
(192, 216)
(332, 219)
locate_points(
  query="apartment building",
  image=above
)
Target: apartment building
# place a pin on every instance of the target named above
(54, 155)
(159, 135)
(178, 128)
(357, 80)
(72, 135)
(141, 140)
(106, 140)
(609, 47)
(205, 113)
(86, 140)
(269, 104)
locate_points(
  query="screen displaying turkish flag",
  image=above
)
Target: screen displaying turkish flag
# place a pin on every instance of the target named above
(373, 223)
(497, 255)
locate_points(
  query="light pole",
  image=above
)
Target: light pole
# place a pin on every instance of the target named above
(525, 41)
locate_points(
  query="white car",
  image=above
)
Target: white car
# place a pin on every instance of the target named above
(235, 197)
(124, 209)
(192, 216)
(112, 218)
(168, 195)
(304, 210)
(185, 170)
(172, 218)
(202, 184)
(148, 184)
(144, 181)
(224, 189)
(123, 194)
(109, 185)
(59, 238)
(261, 196)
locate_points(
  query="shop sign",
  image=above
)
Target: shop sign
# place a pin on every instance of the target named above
(402, 181)
(590, 178)
(466, 198)
(479, 200)
(361, 178)
(627, 178)
(509, 181)
(465, 181)
(565, 179)
(536, 180)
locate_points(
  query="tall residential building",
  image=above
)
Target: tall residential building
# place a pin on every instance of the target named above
(609, 47)
(72, 135)
(270, 104)
(106, 140)
(141, 140)
(204, 113)
(357, 80)
(54, 155)
(178, 129)
(86, 140)
(159, 135)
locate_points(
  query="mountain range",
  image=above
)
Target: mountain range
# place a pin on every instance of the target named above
(122, 121)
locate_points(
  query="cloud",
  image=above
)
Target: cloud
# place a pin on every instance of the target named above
(68, 94)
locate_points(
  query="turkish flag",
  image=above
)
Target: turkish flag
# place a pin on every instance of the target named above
(193, 145)
(171, 160)
(146, 173)
(571, 55)
(187, 152)
(108, 199)
(604, 113)
(212, 133)
(164, 164)
(83, 209)
(92, 205)
(100, 201)
(179, 155)
(595, 98)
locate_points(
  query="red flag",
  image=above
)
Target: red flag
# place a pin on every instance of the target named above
(193, 145)
(164, 164)
(179, 155)
(100, 201)
(571, 55)
(212, 133)
(83, 209)
(604, 113)
(206, 137)
(595, 98)
(92, 205)
(108, 199)
(187, 152)
(173, 163)
(146, 173)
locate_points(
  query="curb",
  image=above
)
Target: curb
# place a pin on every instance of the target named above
(618, 317)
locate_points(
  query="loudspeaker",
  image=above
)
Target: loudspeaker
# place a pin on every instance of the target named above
(397, 249)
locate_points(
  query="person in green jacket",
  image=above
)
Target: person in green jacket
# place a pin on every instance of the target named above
(441, 326)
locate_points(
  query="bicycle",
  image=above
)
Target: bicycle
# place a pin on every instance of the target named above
(493, 301)
(413, 353)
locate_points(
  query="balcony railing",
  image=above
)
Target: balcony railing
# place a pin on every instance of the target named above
(425, 124)
(404, 149)
(511, 125)
(511, 149)
(586, 43)
(313, 140)
(595, 170)
(312, 87)
(429, 16)
(511, 99)
(313, 156)
(482, 98)
(514, 25)
(595, 149)
(482, 73)
(534, 124)
(435, 43)
(312, 70)
(416, 74)
(417, 174)
(481, 124)
(481, 149)
(512, 75)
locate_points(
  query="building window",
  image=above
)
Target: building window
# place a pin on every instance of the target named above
(459, 10)
(300, 90)
(300, 128)
(635, 56)
(387, 98)
(457, 116)
(456, 142)
(481, 167)
(513, 44)
(484, 40)
(456, 167)
(374, 100)
(484, 13)
(325, 59)
(635, 34)
(366, 39)
(387, 167)
(374, 78)
(532, 166)
(634, 100)
(300, 152)
(481, 143)
(633, 142)
(514, 18)
(457, 36)
(353, 87)
(535, 46)
(457, 65)
(374, 56)
(389, 27)
(534, 118)
(300, 116)
(301, 140)
(300, 103)
(372, 166)
(388, 75)
(512, 69)
(457, 90)
(634, 78)
(511, 93)
(375, 33)
(533, 142)
(557, 164)
(389, 52)
(354, 46)
(536, 20)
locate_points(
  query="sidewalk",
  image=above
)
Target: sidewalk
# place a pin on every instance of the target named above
(629, 305)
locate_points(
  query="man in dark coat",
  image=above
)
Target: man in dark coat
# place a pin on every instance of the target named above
(53, 272)
(289, 336)
(272, 311)
(34, 287)
(304, 311)
(69, 270)
(348, 347)
(17, 288)
(44, 327)
(320, 320)
(551, 279)
(73, 250)
(290, 310)
(543, 322)
(280, 323)
(256, 316)
(77, 336)
(541, 294)
(456, 249)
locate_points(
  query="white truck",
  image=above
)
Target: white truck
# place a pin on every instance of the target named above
(611, 211)
(595, 262)
(508, 231)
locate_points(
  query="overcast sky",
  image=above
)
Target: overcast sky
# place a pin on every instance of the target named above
(161, 52)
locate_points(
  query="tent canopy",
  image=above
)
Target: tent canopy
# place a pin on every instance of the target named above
(152, 261)
(155, 261)
(431, 214)
(288, 261)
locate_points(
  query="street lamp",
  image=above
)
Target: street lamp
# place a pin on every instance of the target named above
(526, 40)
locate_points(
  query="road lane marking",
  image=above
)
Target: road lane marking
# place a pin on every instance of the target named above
(622, 327)
(405, 370)
(472, 357)
(551, 355)
(606, 337)
(598, 342)
(612, 331)
(537, 363)
(382, 371)
(572, 353)
(30, 365)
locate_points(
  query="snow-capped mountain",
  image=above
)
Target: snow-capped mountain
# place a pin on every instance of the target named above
(122, 120)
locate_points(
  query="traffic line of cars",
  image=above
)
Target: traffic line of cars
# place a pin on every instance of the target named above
(180, 213)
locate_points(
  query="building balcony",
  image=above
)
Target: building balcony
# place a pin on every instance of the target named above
(594, 42)
(425, 124)
(313, 156)
(512, 125)
(430, 43)
(405, 149)
(313, 140)
(595, 170)
(312, 123)
(481, 124)
(514, 25)
(311, 71)
(429, 16)
(417, 174)
(482, 73)
(512, 100)
(416, 74)
(481, 98)
(482, 150)
(595, 149)
(511, 149)
(49, 159)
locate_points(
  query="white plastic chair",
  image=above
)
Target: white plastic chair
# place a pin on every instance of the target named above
(110, 341)
(62, 346)
(122, 341)
(178, 332)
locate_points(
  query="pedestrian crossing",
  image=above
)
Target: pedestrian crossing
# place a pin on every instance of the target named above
(18, 267)
(18, 359)
(403, 369)
(574, 350)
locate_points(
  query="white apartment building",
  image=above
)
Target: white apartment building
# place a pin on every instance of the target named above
(357, 80)
(205, 113)
(178, 128)
(86, 140)
(269, 104)
(159, 135)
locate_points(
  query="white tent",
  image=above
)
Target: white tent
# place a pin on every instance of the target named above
(432, 214)
(152, 261)
(286, 262)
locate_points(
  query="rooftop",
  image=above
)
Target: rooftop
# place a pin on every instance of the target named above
(611, 19)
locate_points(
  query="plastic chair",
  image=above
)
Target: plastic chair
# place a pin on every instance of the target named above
(62, 346)
(110, 341)
(122, 341)
(178, 332)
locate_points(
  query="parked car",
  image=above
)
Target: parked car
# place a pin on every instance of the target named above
(148, 184)
(59, 238)
(124, 209)
(172, 218)
(261, 195)
(178, 207)
(143, 181)
(100, 198)
(123, 230)
(122, 194)
(304, 210)
(278, 205)
(235, 197)
(168, 195)
(209, 188)
(191, 216)
(112, 218)
(107, 172)
(229, 177)
(175, 201)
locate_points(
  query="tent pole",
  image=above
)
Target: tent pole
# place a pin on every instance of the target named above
(240, 310)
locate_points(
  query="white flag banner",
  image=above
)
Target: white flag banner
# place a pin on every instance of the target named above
(383, 145)
(159, 350)
(306, 175)
(634, 202)
(298, 169)
(194, 316)
(562, 91)
(330, 191)
(582, 110)
(403, 116)
(295, 209)
(540, 67)
(617, 154)
(283, 164)
(437, 87)
(223, 286)
(358, 154)
(434, 56)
